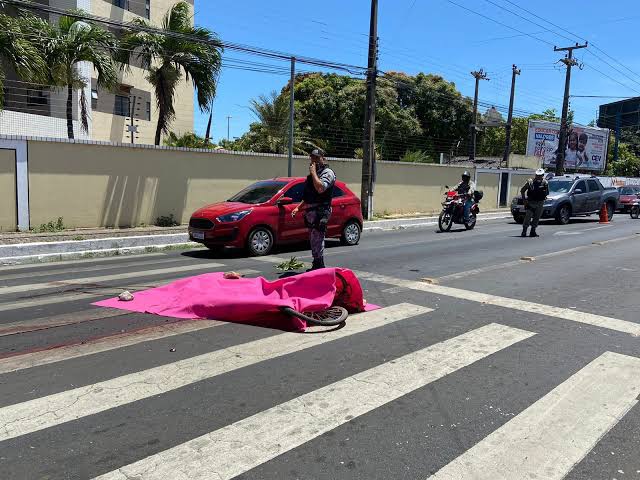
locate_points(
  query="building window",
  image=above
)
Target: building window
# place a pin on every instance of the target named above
(122, 106)
(147, 9)
(148, 117)
(94, 98)
(37, 97)
(124, 4)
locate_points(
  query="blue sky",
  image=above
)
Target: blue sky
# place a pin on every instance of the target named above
(433, 36)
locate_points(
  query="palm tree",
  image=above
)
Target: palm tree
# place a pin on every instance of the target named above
(18, 51)
(272, 113)
(177, 50)
(68, 43)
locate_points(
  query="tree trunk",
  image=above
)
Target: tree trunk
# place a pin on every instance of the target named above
(158, 133)
(70, 111)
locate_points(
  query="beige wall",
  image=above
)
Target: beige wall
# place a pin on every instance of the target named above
(489, 183)
(106, 185)
(517, 181)
(8, 213)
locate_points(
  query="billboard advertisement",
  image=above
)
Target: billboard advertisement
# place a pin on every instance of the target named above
(586, 146)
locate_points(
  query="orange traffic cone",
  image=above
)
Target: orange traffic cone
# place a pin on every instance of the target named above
(604, 214)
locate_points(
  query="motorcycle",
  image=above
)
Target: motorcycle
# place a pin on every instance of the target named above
(453, 210)
(635, 209)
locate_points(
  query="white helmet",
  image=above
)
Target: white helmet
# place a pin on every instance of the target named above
(539, 172)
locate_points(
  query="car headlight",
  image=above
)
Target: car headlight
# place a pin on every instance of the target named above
(233, 217)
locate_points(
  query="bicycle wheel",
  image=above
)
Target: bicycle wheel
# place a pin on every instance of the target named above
(330, 317)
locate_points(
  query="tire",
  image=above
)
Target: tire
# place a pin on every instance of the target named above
(328, 318)
(519, 219)
(351, 233)
(260, 242)
(635, 212)
(563, 215)
(445, 221)
(611, 208)
(472, 221)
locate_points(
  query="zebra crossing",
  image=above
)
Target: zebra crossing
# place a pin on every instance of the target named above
(351, 375)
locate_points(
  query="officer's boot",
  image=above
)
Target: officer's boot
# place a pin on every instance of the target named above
(315, 265)
(533, 233)
(524, 232)
(321, 263)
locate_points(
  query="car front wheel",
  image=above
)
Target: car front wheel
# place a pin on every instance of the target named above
(260, 242)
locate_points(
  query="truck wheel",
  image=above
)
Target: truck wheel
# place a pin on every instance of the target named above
(635, 212)
(564, 214)
(611, 208)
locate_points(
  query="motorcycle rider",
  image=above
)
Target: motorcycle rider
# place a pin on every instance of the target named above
(466, 188)
(536, 190)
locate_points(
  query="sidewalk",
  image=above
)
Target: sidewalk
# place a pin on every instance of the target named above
(21, 247)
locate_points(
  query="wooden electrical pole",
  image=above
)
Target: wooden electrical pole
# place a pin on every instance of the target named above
(481, 75)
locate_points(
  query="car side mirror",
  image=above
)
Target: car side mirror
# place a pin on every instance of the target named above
(285, 201)
(577, 191)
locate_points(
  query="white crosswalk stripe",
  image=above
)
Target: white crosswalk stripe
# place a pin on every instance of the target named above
(44, 412)
(107, 278)
(551, 436)
(239, 447)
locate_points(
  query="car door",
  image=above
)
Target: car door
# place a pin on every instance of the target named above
(338, 212)
(594, 199)
(580, 199)
(291, 229)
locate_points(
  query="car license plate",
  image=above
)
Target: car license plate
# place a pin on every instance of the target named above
(198, 235)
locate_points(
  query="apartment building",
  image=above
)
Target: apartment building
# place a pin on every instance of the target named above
(115, 115)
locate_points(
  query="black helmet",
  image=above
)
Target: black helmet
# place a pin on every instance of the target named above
(466, 175)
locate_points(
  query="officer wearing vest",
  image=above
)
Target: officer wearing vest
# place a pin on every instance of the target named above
(318, 192)
(536, 191)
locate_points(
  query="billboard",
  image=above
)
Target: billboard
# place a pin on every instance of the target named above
(586, 146)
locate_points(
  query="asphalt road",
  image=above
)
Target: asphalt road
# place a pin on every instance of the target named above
(494, 367)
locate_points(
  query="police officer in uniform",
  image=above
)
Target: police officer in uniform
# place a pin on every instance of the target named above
(536, 190)
(318, 192)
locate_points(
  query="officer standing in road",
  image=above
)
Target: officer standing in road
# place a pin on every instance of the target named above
(534, 193)
(318, 192)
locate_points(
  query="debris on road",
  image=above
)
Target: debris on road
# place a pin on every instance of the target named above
(125, 296)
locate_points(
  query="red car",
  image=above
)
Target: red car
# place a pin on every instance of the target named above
(259, 217)
(628, 195)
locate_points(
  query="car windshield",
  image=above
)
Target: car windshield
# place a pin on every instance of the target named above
(628, 191)
(259, 192)
(560, 186)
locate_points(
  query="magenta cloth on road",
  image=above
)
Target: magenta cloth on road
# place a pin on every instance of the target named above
(249, 300)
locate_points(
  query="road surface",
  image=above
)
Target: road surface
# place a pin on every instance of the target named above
(495, 367)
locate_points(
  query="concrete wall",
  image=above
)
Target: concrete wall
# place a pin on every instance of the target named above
(489, 183)
(517, 181)
(8, 212)
(108, 185)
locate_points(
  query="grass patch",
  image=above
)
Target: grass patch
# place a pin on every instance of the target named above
(167, 221)
(51, 226)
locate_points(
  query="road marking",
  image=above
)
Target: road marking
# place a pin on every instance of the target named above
(59, 320)
(106, 278)
(555, 433)
(550, 311)
(105, 344)
(44, 412)
(11, 268)
(97, 293)
(241, 446)
(50, 273)
(476, 271)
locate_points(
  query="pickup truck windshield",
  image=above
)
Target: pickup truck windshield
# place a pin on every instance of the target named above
(560, 187)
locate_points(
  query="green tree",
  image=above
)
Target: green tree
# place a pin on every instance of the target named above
(187, 140)
(19, 52)
(67, 43)
(195, 54)
(628, 164)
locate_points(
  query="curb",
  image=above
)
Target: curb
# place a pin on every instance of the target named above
(42, 252)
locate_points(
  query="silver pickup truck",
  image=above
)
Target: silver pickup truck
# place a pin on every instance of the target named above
(572, 196)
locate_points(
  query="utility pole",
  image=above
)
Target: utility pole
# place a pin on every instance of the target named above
(481, 75)
(291, 114)
(569, 61)
(132, 128)
(228, 127)
(507, 146)
(368, 143)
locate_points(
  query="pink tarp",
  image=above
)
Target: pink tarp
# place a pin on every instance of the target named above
(249, 300)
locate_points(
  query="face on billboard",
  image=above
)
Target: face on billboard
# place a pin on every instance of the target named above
(585, 150)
